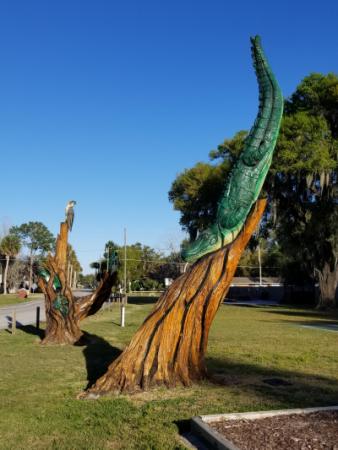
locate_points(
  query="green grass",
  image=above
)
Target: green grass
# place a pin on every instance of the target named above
(13, 299)
(38, 386)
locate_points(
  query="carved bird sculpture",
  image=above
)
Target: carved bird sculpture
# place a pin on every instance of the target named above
(70, 214)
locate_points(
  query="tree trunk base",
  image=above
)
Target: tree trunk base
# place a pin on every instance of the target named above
(328, 280)
(169, 347)
(62, 337)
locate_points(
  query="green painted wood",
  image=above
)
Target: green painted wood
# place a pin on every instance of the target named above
(249, 171)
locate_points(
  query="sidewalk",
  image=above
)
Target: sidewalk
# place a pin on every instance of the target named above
(26, 312)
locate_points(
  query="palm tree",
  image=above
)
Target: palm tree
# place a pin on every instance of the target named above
(74, 267)
(9, 247)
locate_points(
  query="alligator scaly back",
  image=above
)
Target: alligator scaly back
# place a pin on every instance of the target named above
(249, 171)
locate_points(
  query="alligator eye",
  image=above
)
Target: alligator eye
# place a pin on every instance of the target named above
(213, 240)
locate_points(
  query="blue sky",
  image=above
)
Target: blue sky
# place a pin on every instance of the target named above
(105, 102)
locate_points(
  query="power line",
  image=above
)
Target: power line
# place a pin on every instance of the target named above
(155, 261)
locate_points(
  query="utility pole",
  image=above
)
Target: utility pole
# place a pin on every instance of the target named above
(259, 264)
(107, 250)
(125, 263)
(124, 301)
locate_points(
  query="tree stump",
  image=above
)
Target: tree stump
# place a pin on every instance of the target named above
(169, 347)
(63, 311)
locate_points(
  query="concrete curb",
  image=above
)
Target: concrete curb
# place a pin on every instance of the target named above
(212, 437)
(200, 427)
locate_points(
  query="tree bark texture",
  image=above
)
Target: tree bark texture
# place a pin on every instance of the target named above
(170, 345)
(328, 281)
(63, 311)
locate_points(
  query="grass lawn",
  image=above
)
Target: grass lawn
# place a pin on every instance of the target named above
(39, 384)
(13, 299)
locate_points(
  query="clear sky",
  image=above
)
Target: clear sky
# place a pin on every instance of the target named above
(106, 101)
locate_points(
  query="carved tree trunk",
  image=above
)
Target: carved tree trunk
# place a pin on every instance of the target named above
(170, 345)
(63, 311)
(62, 326)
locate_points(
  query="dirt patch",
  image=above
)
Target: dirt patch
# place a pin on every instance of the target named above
(312, 431)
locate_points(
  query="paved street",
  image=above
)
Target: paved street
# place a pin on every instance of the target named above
(26, 312)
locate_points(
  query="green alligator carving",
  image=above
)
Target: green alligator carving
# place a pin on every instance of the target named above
(249, 171)
(61, 303)
(45, 274)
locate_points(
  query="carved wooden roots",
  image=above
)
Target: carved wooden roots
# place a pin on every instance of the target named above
(65, 329)
(170, 345)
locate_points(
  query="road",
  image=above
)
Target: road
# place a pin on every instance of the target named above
(26, 312)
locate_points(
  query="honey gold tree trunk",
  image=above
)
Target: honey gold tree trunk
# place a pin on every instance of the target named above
(169, 347)
(63, 311)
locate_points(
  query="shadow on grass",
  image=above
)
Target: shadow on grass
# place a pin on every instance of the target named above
(321, 325)
(290, 388)
(29, 329)
(310, 313)
(99, 354)
(286, 388)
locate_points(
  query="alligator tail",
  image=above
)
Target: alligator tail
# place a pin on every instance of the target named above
(263, 135)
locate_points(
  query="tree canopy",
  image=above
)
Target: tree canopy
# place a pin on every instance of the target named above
(305, 173)
(35, 236)
(146, 267)
(193, 193)
(10, 245)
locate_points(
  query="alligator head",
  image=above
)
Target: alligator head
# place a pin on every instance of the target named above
(208, 241)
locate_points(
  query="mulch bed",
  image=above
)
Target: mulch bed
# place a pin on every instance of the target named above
(312, 431)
